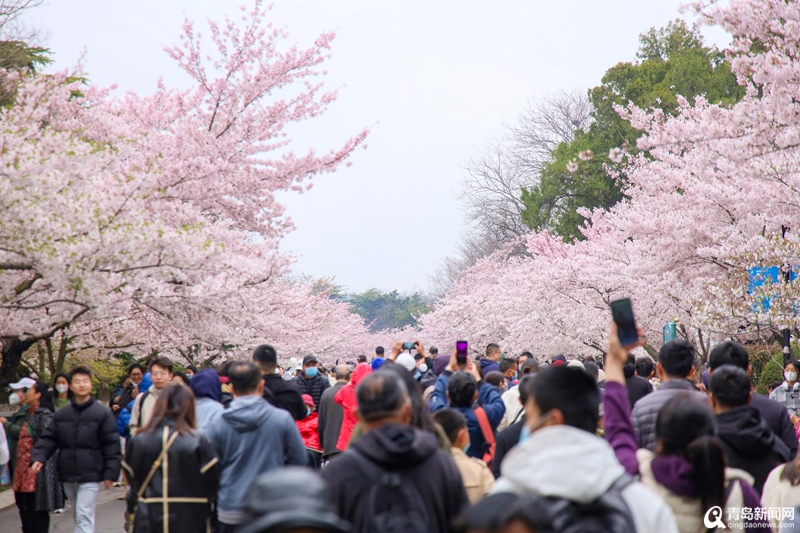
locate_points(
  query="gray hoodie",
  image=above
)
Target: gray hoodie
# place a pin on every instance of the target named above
(251, 437)
(565, 462)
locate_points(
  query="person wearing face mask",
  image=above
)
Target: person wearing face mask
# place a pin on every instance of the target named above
(422, 370)
(477, 478)
(36, 491)
(788, 393)
(311, 381)
(13, 425)
(560, 456)
(61, 386)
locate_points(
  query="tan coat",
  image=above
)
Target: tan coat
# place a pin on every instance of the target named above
(146, 409)
(478, 479)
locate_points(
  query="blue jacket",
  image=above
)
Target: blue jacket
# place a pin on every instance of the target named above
(124, 419)
(488, 398)
(206, 411)
(487, 365)
(251, 437)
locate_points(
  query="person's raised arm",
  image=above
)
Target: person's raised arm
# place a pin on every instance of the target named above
(396, 349)
(438, 399)
(616, 405)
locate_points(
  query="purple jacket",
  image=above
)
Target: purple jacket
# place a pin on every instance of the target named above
(673, 472)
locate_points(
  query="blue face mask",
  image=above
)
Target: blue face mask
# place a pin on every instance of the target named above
(466, 450)
(308, 412)
(311, 371)
(525, 433)
(526, 429)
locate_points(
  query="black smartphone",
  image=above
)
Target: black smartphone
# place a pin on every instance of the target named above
(409, 345)
(461, 352)
(622, 313)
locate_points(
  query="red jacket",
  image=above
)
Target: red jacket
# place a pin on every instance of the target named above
(308, 431)
(346, 397)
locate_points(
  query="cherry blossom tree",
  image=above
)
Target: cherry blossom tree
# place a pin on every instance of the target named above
(715, 194)
(151, 221)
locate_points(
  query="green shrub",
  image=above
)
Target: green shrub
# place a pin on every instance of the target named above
(771, 373)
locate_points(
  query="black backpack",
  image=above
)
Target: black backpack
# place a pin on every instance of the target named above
(608, 514)
(392, 506)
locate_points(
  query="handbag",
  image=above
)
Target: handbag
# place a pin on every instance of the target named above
(49, 490)
(488, 435)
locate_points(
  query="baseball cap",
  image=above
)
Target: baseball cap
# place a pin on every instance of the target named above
(406, 360)
(308, 400)
(309, 359)
(24, 383)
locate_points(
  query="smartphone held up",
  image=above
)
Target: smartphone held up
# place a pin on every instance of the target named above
(461, 352)
(622, 313)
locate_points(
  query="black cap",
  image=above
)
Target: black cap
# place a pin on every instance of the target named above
(309, 359)
(293, 497)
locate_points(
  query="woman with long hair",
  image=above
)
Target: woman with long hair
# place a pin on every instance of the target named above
(62, 394)
(36, 494)
(168, 454)
(687, 469)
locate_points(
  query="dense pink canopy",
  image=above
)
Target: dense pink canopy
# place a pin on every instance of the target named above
(151, 222)
(706, 202)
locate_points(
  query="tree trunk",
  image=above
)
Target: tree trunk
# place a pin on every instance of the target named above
(13, 348)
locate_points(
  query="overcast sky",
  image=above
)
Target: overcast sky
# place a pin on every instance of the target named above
(435, 80)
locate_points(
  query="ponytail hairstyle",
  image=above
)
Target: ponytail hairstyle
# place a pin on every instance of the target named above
(685, 427)
(46, 401)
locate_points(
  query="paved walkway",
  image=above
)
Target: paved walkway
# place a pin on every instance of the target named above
(109, 518)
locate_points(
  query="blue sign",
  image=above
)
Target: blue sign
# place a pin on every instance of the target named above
(760, 276)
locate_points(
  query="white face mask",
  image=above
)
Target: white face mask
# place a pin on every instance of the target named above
(62, 388)
(14, 399)
(790, 376)
(423, 368)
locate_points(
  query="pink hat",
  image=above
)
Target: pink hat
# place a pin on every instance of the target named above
(308, 400)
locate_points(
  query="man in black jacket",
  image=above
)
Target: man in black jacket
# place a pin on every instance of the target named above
(331, 414)
(774, 414)
(749, 443)
(412, 483)
(509, 437)
(84, 433)
(311, 381)
(277, 391)
(638, 387)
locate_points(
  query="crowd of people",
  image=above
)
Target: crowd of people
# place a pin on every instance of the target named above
(413, 441)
